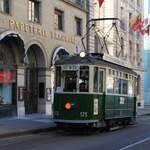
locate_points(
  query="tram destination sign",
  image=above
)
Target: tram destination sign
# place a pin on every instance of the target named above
(70, 67)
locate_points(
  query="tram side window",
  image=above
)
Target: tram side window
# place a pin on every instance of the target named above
(124, 86)
(135, 83)
(95, 79)
(110, 84)
(58, 79)
(117, 85)
(58, 75)
(70, 81)
(84, 79)
(130, 88)
(138, 84)
(98, 80)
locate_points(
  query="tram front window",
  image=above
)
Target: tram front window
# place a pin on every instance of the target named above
(84, 79)
(70, 81)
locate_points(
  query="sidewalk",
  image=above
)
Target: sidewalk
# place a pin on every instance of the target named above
(19, 126)
(143, 111)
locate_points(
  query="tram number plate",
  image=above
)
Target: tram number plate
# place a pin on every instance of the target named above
(95, 109)
(122, 100)
(83, 114)
(68, 67)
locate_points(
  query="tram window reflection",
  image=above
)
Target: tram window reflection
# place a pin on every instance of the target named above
(117, 85)
(110, 83)
(58, 77)
(95, 79)
(98, 80)
(70, 81)
(84, 79)
(130, 87)
(124, 87)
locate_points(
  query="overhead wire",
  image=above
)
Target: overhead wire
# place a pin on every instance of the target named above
(120, 31)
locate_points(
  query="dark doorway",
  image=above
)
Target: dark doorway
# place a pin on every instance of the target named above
(31, 95)
(34, 62)
(31, 100)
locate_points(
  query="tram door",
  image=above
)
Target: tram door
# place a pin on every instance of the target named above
(31, 100)
(99, 80)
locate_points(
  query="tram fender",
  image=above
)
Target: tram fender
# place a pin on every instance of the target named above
(99, 124)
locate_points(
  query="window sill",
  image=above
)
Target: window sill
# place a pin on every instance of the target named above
(4, 13)
(35, 23)
(58, 30)
(76, 5)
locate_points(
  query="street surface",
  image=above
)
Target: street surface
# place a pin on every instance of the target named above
(135, 137)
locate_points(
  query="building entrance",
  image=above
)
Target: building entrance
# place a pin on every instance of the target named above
(34, 62)
(11, 52)
(31, 101)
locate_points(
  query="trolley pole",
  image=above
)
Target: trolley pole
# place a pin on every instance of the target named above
(89, 27)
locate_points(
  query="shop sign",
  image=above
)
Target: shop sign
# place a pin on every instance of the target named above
(6, 76)
(37, 30)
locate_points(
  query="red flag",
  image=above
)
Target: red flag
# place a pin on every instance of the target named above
(100, 2)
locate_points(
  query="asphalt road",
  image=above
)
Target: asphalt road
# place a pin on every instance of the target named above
(135, 137)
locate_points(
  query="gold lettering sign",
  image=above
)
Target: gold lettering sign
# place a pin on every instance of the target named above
(62, 37)
(20, 26)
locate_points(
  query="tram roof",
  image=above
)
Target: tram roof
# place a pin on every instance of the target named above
(90, 60)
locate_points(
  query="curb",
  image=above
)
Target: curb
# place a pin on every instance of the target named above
(26, 132)
(144, 114)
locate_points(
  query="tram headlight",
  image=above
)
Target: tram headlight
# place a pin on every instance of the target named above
(68, 106)
(82, 54)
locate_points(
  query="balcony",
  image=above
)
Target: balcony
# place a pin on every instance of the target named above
(82, 4)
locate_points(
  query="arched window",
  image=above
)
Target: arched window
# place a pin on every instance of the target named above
(58, 53)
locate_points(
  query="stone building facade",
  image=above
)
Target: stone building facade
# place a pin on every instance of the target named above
(129, 50)
(32, 35)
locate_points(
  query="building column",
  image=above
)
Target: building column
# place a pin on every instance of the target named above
(50, 91)
(141, 90)
(45, 103)
(91, 38)
(20, 91)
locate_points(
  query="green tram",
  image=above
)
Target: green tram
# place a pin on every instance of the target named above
(93, 92)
